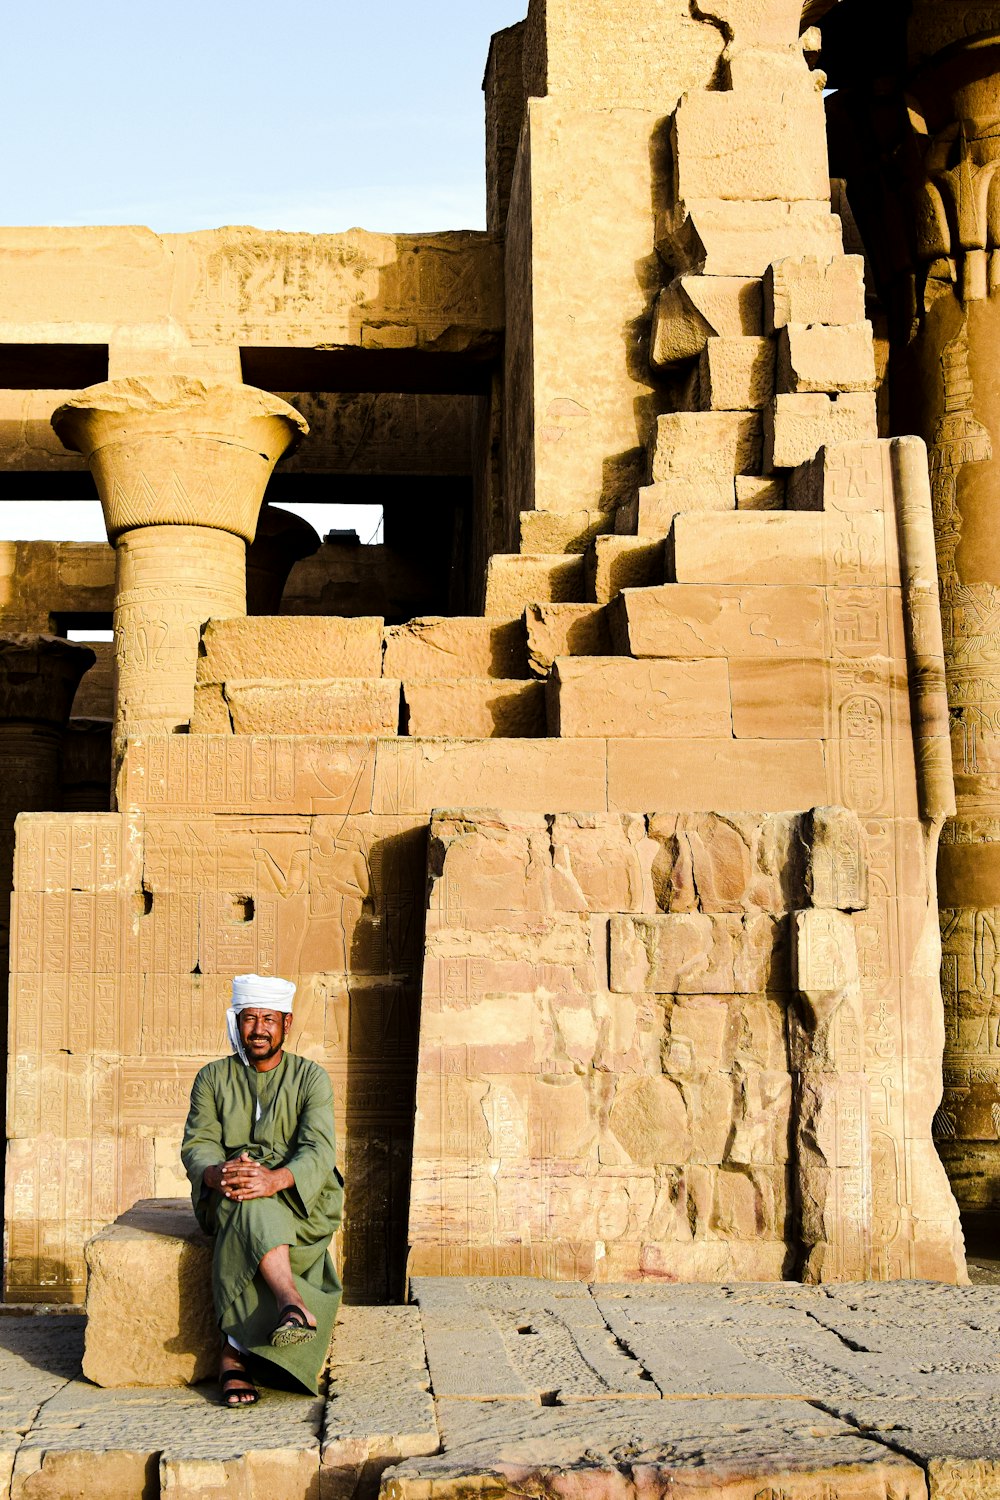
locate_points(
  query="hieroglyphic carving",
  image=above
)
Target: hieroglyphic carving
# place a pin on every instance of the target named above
(358, 288)
(123, 968)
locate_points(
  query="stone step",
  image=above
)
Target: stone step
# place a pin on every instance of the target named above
(516, 579)
(309, 646)
(617, 562)
(348, 706)
(549, 531)
(175, 1342)
(456, 646)
(565, 630)
(594, 697)
(760, 492)
(474, 708)
(652, 511)
(847, 477)
(725, 620)
(784, 547)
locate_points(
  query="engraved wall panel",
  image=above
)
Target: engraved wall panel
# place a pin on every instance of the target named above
(127, 933)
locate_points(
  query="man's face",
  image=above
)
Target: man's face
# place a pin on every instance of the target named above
(263, 1033)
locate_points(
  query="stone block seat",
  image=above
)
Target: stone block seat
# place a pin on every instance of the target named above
(149, 1299)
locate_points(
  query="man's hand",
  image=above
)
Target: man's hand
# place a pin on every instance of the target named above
(212, 1177)
(245, 1178)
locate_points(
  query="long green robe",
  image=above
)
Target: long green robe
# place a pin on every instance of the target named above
(295, 1130)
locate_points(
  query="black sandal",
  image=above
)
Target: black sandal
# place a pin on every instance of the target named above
(292, 1328)
(246, 1387)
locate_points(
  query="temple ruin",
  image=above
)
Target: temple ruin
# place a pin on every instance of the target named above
(595, 812)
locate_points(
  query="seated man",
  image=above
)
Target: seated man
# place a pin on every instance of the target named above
(259, 1150)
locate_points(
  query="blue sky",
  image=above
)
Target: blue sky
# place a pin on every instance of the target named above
(316, 116)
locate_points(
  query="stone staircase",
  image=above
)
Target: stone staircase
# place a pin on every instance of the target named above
(699, 609)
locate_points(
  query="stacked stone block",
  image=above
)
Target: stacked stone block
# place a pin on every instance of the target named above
(643, 1052)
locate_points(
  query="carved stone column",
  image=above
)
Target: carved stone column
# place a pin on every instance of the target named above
(916, 130)
(181, 469)
(949, 381)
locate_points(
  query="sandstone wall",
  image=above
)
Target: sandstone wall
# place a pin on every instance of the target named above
(611, 1078)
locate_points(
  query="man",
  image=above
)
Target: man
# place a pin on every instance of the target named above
(259, 1151)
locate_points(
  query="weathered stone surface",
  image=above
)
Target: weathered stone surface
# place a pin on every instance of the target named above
(515, 580)
(611, 695)
(765, 493)
(347, 706)
(95, 697)
(565, 630)
(845, 477)
(248, 286)
(689, 1449)
(826, 359)
(39, 580)
(243, 650)
(710, 445)
(737, 374)
(697, 620)
(210, 714)
(796, 427)
(732, 146)
(448, 647)
(613, 563)
(696, 775)
(127, 1443)
(551, 531)
(728, 862)
(804, 699)
(572, 441)
(837, 863)
(175, 1341)
(473, 708)
(652, 512)
(718, 238)
(813, 290)
(379, 1408)
(539, 1340)
(503, 86)
(696, 954)
(776, 1385)
(782, 548)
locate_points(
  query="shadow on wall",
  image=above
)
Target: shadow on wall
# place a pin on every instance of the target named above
(386, 961)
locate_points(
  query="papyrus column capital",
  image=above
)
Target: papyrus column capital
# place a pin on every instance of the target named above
(170, 450)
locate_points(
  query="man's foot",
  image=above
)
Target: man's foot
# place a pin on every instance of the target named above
(296, 1325)
(234, 1380)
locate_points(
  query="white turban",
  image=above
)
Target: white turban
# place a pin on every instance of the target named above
(255, 992)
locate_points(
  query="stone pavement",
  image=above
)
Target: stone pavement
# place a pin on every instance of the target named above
(487, 1387)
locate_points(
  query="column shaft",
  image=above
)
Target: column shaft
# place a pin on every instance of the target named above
(169, 581)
